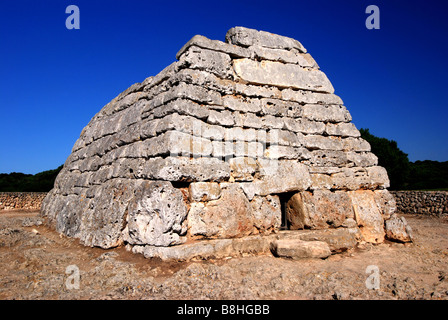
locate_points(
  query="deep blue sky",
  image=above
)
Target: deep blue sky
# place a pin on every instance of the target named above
(54, 80)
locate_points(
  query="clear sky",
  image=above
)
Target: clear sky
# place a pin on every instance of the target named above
(54, 80)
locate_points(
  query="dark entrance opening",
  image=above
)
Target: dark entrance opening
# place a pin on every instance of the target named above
(284, 198)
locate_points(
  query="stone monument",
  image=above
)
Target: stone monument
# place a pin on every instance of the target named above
(237, 147)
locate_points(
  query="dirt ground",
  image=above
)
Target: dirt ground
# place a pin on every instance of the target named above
(38, 263)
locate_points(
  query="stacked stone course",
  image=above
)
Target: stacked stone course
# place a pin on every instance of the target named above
(422, 202)
(21, 200)
(216, 146)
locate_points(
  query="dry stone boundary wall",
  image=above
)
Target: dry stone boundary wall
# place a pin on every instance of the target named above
(21, 200)
(422, 202)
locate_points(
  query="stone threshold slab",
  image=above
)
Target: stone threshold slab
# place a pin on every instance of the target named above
(338, 240)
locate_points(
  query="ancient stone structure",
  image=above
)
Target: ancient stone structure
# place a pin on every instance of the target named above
(218, 152)
(21, 200)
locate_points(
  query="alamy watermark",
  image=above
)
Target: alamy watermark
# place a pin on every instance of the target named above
(72, 281)
(73, 20)
(373, 280)
(373, 20)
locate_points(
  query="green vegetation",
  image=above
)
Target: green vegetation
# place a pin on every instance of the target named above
(20, 182)
(403, 174)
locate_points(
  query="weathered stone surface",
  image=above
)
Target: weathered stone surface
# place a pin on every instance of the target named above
(386, 203)
(206, 249)
(338, 240)
(248, 37)
(378, 176)
(204, 191)
(278, 177)
(267, 213)
(303, 96)
(228, 217)
(330, 113)
(299, 249)
(284, 56)
(285, 152)
(345, 129)
(155, 215)
(397, 229)
(184, 169)
(104, 216)
(211, 61)
(215, 45)
(239, 103)
(367, 215)
(282, 75)
(243, 168)
(318, 210)
(312, 142)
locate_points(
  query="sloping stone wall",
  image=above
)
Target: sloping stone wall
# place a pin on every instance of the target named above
(422, 202)
(21, 200)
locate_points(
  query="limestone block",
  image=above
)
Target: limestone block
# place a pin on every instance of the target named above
(386, 202)
(203, 79)
(228, 217)
(284, 56)
(338, 239)
(215, 45)
(211, 61)
(240, 134)
(155, 215)
(246, 37)
(185, 169)
(267, 215)
(176, 143)
(249, 120)
(182, 107)
(228, 149)
(186, 91)
(351, 179)
(285, 138)
(280, 108)
(243, 168)
(299, 249)
(318, 210)
(344, 129)
(312, 142)
(286, 152)
(104, 217)
(367, 215)
(278, 176)
(204, 191)
(355, 144)
(378, 176)
(304, 126)
(257, 91)
(282, 75)
(239, 103)
(328, 158)
(302, 96)
(362, 159)
(397, 229)
(328, 113)
(223, 118)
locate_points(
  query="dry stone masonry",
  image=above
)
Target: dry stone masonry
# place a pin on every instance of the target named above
(21, 200)
(422, 202)
(216, 154)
